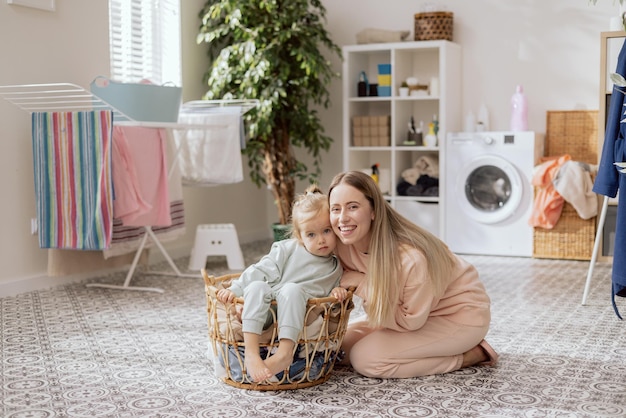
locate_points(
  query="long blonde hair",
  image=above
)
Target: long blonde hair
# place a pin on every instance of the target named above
(390, 231)
(311, 204)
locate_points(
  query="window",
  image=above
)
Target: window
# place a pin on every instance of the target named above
(144, 41)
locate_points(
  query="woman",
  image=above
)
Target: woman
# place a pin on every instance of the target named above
(427, 310)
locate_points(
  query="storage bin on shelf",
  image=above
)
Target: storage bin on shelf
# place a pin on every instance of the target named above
(431, 26)
(572, 132)
(371, 131)
(316, 352)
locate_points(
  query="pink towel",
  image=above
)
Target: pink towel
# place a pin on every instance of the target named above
(128, 203)
(145, 151)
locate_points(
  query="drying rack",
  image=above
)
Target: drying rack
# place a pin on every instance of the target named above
(68, 97)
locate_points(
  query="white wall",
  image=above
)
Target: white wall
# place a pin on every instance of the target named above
(549, 46)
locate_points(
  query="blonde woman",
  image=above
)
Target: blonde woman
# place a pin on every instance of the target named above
(427, 310)
(294, 271)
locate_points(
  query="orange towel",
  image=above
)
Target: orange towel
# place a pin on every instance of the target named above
(548, 203)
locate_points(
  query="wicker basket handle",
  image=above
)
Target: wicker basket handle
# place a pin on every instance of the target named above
(213, 282)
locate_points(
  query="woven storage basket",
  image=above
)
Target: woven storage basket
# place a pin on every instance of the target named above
(315, 355)
(433, 26)
(571, 132)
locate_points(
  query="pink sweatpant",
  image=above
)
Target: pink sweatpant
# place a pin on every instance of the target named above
(435, 348)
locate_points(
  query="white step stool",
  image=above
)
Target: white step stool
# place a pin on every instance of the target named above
(216, 239)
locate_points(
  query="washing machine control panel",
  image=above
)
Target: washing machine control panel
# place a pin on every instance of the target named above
(509, 139)
(499, 139)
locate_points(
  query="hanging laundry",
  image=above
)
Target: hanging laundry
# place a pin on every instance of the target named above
(212, 155)
(146, 148)
(72, 170)
(128, 204)
(126, 239)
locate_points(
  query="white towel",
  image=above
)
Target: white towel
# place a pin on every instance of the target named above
(212, 155)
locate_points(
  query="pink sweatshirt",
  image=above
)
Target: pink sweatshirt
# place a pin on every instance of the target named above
(464, 300)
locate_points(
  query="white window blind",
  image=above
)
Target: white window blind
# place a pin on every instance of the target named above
(144, 39)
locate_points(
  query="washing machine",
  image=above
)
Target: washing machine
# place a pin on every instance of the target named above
(488, 192)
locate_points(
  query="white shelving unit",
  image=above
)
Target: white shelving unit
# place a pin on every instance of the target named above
(422, 60)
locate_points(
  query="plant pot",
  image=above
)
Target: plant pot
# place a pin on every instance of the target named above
(281, 231)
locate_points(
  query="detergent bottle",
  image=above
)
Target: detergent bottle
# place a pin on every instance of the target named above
(519, 110)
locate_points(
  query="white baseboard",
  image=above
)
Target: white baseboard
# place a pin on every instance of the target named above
(43, 281)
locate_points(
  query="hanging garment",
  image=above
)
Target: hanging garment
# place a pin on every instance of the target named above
(147, 154)
(548, 203)
(211, 155)
(128, 204)
(73, 188)
(609, 179)
(126, 239)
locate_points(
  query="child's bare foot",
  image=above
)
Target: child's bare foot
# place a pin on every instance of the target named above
(257, 369)
(279, 361)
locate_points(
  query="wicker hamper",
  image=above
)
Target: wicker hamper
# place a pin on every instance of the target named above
(316, 351)
(571, 132)
(432, 26)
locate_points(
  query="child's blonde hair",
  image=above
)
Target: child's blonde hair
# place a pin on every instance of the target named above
(308, 205)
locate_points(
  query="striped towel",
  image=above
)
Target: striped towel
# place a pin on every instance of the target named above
(73, 188)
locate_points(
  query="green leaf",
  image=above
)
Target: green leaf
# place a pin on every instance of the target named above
(618, 79)
(275, 51)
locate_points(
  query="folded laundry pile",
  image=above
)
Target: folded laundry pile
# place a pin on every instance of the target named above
(422, 179)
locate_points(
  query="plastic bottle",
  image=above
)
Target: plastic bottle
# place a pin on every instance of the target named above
(375, 173)
(430, 140)
(519, 110)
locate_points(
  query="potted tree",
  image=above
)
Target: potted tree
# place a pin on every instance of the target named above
(273, 51)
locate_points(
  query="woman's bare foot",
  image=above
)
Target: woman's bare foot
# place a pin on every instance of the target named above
(256, 368)
(473, 357)
(483, 355)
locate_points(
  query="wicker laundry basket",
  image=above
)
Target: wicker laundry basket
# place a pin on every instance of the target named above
(316, 352)
(572, 132)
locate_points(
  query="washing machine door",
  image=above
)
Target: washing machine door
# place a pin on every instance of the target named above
(489, 189)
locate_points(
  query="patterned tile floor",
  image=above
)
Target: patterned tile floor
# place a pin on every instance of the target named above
(74, 351)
